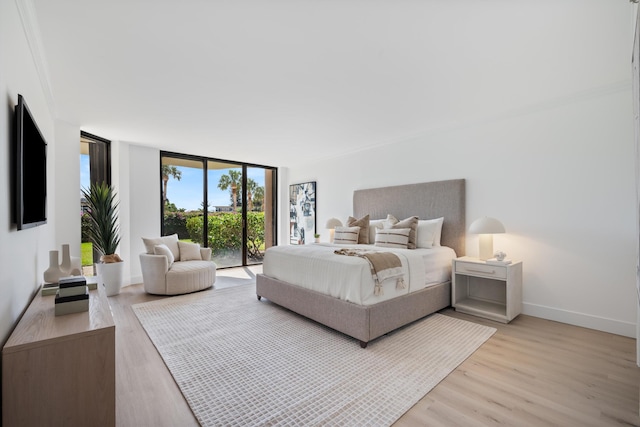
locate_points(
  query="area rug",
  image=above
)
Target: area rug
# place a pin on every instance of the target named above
(239, 361)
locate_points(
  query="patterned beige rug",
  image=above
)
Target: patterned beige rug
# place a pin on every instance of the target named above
(240, 361)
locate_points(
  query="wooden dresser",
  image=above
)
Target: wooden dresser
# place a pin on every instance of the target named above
(61, 370)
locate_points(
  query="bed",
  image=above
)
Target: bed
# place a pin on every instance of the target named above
(357, 313)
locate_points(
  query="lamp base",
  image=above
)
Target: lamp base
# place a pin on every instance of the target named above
(486, 246)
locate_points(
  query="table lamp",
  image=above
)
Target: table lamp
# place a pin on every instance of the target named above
(486, 227)
(332, 223)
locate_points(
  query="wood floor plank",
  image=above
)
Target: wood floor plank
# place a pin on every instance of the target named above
(532, 372)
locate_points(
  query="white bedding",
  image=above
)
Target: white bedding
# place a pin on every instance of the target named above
(317, 267)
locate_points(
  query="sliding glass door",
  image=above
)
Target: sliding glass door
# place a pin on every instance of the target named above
(95, 168)
(227, 206)
(226, 211)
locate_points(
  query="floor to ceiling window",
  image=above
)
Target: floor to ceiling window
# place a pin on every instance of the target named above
(95, 167)
(227, 206)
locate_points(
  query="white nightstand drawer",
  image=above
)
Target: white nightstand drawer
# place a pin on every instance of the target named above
(495, 271)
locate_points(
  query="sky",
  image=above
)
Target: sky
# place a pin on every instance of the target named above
(187, 193)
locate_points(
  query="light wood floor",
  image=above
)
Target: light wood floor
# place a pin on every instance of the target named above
(532, 372)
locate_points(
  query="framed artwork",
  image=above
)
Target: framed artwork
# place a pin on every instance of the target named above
(302, 213)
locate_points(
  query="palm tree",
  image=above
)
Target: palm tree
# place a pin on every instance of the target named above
(231, 181)
(167, 171)
(258, 197)
(251, 190)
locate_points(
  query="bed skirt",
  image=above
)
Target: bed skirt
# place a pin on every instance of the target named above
(363, 323)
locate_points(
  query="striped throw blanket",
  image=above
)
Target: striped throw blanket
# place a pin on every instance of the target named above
(384, 265)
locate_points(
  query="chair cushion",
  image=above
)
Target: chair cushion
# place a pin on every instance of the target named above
(164, 250)
(171, 242)
(189, 251)
(190, 276)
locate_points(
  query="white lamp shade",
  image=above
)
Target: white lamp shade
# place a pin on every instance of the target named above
(486, 225)
(333, 223)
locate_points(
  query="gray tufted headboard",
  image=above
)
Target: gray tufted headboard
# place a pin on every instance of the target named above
(426, 200)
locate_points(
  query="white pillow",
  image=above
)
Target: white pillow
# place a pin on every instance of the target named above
(170, 241)
(189, 251)
(427, 232)
(392, 237)
(164, 250)
(436, 239)
(346, 235)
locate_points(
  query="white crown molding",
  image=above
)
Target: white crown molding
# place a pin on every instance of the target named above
(32, 33)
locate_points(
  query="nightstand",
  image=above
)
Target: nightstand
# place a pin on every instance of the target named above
(487, 290)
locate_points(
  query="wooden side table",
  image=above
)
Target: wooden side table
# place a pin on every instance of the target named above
(487, 290)
(60, 370)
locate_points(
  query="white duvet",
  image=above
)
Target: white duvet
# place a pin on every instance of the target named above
(317, 267)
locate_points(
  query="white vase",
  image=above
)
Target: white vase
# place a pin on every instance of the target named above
(76, 266)
(110, 275)
(53, 273)
(65, 265)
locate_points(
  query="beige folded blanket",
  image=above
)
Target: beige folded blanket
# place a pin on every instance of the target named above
(384, 265)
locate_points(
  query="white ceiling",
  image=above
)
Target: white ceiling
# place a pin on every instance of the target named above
(274, 82)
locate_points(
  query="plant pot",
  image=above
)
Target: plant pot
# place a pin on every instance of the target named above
(111, 276)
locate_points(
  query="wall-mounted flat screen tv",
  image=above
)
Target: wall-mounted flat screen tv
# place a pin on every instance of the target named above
(30, 178)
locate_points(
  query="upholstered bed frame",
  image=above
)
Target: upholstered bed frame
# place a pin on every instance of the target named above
(365, 323)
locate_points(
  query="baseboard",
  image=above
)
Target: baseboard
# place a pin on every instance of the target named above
(618, 327)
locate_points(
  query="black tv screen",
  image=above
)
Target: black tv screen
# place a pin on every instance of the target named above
(30, 170)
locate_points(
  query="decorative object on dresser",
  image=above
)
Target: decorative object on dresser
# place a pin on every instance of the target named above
(52, 288)
(486, 227)
(302, 212)
(53, 273)
(72, 295)
(489, 290)
(331, 225)
(70, 266)
(104, 234)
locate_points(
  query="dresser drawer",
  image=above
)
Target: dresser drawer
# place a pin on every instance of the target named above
(484, 270)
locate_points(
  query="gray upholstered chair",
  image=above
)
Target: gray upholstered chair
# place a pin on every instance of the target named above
(170, 267)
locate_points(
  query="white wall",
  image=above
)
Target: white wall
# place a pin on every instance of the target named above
(24, 255)
(67, 178)
(559, 176)
(144, 202)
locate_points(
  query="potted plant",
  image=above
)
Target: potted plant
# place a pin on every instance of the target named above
(104, 233)
(317, 237)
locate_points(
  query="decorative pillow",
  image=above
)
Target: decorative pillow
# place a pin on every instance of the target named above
(189, 251)
(346, 235)
(170, 241)
(380, 223)
(412, 223)
(363, 223)
(164, 250)
(392, 237)
(427, 231)
(436, 238)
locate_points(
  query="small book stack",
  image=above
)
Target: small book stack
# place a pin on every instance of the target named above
(72, 295)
